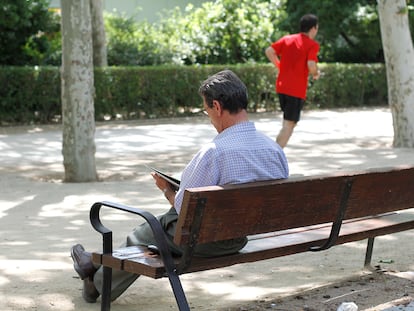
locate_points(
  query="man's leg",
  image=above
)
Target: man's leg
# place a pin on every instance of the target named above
(93, 276)
(82, 263)
(121, 280)
(285, 132)
(291, 107)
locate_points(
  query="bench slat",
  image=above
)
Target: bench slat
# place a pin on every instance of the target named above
(381, 192)
(301, 241)
(267, 246)
(238, 210)
(259, 209)
(147, 264)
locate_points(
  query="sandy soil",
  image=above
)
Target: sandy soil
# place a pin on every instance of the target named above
(380, 290)
(41, 217)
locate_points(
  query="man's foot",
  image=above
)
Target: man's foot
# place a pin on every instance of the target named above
(89, 292)
(82, 262)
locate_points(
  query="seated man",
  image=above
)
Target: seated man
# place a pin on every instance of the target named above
(238, 154)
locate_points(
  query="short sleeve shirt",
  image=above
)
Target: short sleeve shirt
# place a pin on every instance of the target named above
(239, 154)
(294, 52)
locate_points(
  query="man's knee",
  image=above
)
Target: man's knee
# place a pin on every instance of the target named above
(285, 132)
(288, 125)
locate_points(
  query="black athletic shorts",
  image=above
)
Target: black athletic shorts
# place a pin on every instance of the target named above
(291, 107)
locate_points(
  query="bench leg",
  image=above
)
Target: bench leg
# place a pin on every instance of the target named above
(368, 254)
(178, 292)
(106, 289)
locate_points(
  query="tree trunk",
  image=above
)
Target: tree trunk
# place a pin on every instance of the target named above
(399, 61)
(77, 92)
(98, 34)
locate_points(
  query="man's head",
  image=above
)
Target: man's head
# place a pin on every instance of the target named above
(224, 99)
(308, 23)
(226, 88)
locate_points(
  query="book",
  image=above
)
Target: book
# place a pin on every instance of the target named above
(175, 183)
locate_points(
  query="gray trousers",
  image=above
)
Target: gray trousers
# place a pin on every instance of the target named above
(142, 235)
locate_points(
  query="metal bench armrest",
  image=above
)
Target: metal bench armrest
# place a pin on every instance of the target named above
(160, 238)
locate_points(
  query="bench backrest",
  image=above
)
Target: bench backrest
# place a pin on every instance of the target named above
(218, 213)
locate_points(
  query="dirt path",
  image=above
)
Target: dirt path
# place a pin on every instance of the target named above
(41, 217)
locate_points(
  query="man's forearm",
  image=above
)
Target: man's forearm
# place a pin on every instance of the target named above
(313, 69)
(271, 55)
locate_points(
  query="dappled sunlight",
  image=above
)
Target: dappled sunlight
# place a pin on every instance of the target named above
(256, 283)
(234, 291)
(56, 302)
(7, 205)
(340, 156)
(14, 243)
(64, 208)
(72, 205)
(31, 147)
(41, 302)
(16, 302)
(157, 138)
(31, 270)
(4, 281)
(247, 286)
(78, 222)
(387, 238)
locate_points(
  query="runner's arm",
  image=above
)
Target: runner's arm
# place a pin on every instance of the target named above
(313, 69)
(272, 56)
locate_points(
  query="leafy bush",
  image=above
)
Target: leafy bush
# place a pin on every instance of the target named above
(241, 32)
(134, 44)
(29, 95)
(223, 31)
(29, 33)
(348, 85)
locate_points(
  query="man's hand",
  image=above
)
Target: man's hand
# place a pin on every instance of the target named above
(317, 75)
(161, 182)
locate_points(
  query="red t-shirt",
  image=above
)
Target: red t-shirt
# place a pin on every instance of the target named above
(294, 52)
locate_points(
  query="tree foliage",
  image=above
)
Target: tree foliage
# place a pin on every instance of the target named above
(348, 30)
(218, 32)
(100, 58)
(29, 33)
(134, 44)
(224, 31)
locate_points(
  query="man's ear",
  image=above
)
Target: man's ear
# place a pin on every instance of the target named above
(217, 107)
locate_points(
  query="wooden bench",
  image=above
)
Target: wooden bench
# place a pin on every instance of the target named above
(280, 217)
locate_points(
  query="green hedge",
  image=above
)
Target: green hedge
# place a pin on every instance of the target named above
(32, 95)
(349, 85)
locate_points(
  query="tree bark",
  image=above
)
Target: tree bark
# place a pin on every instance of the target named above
(399, 61)
(98, 34)
(77, 92)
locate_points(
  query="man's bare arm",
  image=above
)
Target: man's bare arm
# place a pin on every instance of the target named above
(313, 69)
(271, 55)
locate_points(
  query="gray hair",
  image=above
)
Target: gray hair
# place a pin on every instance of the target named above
(227, 88)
